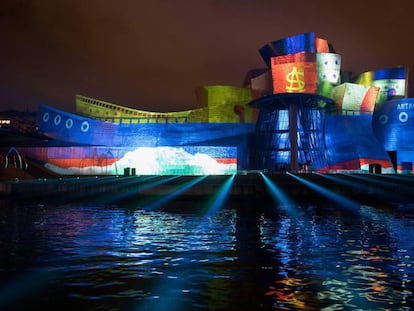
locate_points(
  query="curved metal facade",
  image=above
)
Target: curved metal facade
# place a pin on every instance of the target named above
(351, 143)
(219, 103)
(312, 120)
(393, 125)
(65, 126)
(289, 133)
(298, 131)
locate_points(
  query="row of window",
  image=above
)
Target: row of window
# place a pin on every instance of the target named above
(129, 111)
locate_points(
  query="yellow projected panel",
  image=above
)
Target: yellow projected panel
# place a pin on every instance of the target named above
(219, 104)
(95, 108)
(226, 103)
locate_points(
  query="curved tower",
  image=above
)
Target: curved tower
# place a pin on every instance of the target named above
(289, 132)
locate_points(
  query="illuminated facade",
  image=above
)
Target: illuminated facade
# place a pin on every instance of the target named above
(289, 132)
(298, 114)
(219, 104)
(323, 124)
(391, 82)
(393, 124)
(106, 138)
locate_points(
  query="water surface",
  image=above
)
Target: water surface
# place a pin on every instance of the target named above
(313, 256)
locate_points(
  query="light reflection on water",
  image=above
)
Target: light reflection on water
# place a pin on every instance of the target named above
(343, 261)
(121, 258)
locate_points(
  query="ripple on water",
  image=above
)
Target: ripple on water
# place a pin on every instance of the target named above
(322, 258)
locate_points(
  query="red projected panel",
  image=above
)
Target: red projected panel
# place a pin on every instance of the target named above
(322, 45)
(295, 73)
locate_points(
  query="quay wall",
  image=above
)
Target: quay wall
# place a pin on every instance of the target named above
(253, 186)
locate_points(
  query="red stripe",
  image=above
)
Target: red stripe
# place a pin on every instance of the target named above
(384, 163)
(226, 160)
(81, 162)
(356, 164)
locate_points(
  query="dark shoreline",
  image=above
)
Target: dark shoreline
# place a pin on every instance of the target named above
(249, 186)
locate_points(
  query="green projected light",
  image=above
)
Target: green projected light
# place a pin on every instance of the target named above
(155, 161)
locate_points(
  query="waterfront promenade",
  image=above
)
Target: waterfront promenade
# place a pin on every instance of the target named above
(249, 185)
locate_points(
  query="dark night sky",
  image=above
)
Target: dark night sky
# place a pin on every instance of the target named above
(152, 54)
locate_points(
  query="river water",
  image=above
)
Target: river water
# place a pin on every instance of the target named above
(315, 256)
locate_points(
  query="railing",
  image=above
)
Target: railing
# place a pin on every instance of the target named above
(347, 112)
(144, 120)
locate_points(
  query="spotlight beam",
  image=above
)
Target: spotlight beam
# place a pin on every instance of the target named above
(339, 199)
(174, 193)
(284, 201)
(126, 187)
(217, 201)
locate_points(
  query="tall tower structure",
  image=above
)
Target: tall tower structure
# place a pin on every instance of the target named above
(289, 133)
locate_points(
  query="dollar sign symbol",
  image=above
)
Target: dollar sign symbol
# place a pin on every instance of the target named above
(295, 80)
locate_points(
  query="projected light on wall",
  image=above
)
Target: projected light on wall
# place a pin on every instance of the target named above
(294, 115)
(191, 160)
(175, 161)
(289, 132)
(353, 99)
(392, 82)
(329, 72)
